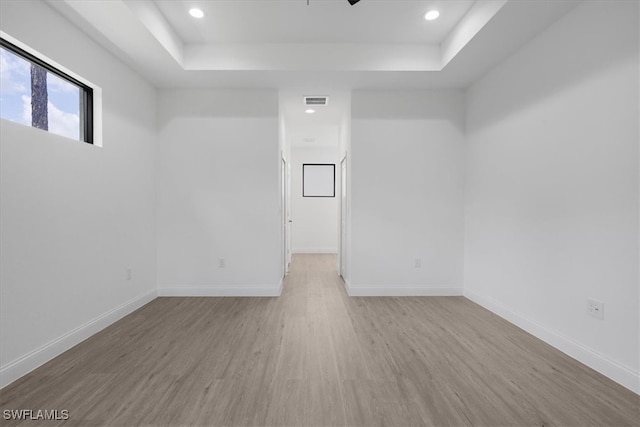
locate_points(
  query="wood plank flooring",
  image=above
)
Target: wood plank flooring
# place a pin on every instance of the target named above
(315, 357)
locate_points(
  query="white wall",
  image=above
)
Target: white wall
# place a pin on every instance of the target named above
(315, 219)
(407, 192)
(552, 187)
(74, 216)
(218, 192)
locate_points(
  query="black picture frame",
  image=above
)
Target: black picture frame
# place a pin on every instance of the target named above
(317, 170)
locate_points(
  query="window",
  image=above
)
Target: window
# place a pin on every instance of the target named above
(318, 180)
(34, 93)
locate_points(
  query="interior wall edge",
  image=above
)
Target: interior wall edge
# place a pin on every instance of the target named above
(402, 291)
(222, 291)
(608, 367)
(20, 367)
(332, 251)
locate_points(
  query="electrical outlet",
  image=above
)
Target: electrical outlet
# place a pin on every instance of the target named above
(129, 274)
(417, 263)
(595, 308)
(222, 263)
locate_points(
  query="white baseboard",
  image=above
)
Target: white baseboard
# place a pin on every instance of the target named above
(401, 291)
(333, 251)
(35, 358)
(347, 286)
(222, 291)
(608, 367)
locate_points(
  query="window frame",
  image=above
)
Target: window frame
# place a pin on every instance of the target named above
(86, 92)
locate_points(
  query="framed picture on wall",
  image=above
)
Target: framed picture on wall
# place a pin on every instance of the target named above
(318, 180)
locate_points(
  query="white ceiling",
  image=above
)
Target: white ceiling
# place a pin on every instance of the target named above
(322, 21)
(329, 44)
(326, 48)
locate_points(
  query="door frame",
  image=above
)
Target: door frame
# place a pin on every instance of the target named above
(286, 215)
(342, 238)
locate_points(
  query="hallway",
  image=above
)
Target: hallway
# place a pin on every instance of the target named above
(314, 356)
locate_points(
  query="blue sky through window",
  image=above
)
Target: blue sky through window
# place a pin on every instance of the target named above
(15, 96)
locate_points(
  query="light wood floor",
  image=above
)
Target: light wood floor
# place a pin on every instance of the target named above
(317, 357)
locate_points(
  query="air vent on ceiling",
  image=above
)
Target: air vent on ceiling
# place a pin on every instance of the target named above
(316, 100)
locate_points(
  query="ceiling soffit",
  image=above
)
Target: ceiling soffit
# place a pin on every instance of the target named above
(272, 56)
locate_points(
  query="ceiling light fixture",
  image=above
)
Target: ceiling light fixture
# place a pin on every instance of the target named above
(431, 15)
(196, 13)
(310, 111)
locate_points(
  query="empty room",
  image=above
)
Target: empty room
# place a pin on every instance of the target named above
(319, 213)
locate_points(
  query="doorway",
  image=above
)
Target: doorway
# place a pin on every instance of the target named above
(312, 143)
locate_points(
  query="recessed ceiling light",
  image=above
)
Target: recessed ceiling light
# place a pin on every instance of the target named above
(196, 13)
(310, 111)
(431, 15)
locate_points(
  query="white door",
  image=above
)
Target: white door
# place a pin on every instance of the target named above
(343, 217)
